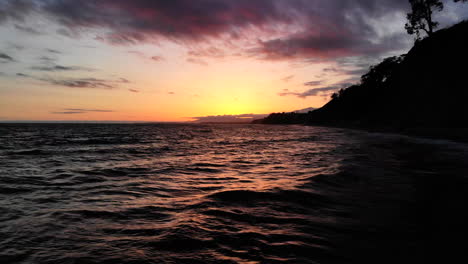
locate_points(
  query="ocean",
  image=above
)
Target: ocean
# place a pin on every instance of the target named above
(192, 193)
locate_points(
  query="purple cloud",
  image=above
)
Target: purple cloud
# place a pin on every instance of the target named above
(264, 29)
(324, 29)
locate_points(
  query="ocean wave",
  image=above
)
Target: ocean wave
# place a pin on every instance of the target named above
(30, 152)
(152, 193)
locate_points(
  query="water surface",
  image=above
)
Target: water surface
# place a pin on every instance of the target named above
(160, 193)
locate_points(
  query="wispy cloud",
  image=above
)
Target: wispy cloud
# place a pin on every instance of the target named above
(319, 91)
(89, 110)
(28, 30)
(288, 78)
(245, 118)
(19, 74)
(16, 46)
(74, 111)
(211, 52)
(92, 83)
(313, 83)
(67, 32)
(197, 61)
(157, 58)
(46, 59)
(154, 58)
(310, 92)
(68, 112)
(58, 68)
(352, 68)
(53, 51)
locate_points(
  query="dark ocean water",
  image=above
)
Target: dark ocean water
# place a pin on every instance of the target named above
(149, 193)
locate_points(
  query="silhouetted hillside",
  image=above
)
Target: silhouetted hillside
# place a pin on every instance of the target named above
(284, 118)
(426, 88)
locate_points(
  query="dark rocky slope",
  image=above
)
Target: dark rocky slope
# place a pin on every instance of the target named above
(425, 90)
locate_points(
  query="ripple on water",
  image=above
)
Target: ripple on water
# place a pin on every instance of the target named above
(160, 193)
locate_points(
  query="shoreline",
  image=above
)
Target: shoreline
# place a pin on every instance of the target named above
(457, 135)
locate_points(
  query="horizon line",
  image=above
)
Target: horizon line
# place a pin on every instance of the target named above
(87, 121)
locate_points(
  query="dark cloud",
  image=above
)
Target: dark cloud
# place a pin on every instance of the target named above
(4, 58)
(246, 118)
(325, 28)
(19, 74)
(16, 9)
(326, 46)
(322, 30)
(134, 90)
(140, 20)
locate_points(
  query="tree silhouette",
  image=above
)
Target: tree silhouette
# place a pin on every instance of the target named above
(379, 74)
(420, 18)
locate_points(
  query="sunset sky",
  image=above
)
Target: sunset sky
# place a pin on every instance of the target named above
(161, 60)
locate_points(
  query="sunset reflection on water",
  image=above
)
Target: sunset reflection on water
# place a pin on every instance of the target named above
(212, 193)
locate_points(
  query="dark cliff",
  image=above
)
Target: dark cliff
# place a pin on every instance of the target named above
(426, 88)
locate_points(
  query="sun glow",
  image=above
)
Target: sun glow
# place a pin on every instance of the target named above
(166, 81)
